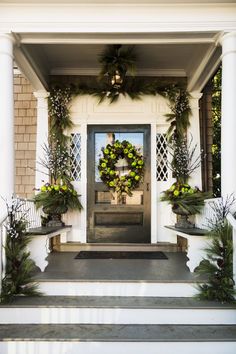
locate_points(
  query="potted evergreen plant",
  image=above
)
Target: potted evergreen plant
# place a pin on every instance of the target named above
(58, 196)
(185, 199)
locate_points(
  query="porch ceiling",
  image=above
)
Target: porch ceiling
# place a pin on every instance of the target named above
(164, 54)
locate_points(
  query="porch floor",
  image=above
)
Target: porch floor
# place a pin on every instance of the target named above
(64, 267)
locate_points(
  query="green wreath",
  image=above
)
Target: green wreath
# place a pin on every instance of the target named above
(109, 173)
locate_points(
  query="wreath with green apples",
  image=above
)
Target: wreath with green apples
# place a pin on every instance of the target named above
(109, 173)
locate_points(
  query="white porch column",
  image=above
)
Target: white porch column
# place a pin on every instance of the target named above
(194, 134)
(228, 119)
(42, 136)
(7, 158)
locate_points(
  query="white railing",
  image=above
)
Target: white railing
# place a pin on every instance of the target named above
(33, 215)
(3, 235)
(232, 222)
(207, 214)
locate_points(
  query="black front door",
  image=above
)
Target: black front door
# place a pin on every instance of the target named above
(112, 219)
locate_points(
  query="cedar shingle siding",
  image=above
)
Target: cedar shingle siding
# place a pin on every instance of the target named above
(25, 136)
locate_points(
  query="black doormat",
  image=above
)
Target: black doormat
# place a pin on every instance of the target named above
(120, 255)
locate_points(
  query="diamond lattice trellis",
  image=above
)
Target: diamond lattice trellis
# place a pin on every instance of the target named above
(75, 152)
(161, 156)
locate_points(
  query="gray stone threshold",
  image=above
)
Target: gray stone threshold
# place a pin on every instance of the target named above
(115, 302)
(118, 333)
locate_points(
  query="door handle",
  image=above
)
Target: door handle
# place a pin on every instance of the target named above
(147, 187)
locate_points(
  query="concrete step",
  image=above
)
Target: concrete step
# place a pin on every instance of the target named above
(77, 247)
(115, 310)
(73, 287)
(116, 339)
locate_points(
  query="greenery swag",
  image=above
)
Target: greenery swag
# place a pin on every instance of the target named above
(60, 98)
(109, 173)
(118, 61)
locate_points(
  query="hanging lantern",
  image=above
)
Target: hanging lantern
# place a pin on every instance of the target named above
(116, 79)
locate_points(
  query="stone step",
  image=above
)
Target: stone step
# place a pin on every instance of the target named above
(117, 333)
(77, 247)
(115, 310)
(116, 339)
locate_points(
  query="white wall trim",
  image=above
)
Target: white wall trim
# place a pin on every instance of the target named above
(141, 72)
(41, 173)
(118, 17)
(154, 234)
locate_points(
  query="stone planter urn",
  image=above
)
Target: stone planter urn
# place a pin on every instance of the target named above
(55, 215)
(182, 217)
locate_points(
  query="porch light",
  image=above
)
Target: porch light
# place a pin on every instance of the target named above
(116, 79)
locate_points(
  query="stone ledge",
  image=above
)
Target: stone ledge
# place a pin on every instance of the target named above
(195, 231)
(45, 230)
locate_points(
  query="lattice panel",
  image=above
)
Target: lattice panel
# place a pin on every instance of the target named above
(75, 152)
(161, 156)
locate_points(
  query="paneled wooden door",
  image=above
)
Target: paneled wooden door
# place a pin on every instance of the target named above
(111, 220)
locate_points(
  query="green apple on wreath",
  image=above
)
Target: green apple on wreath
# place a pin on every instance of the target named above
(109, 173)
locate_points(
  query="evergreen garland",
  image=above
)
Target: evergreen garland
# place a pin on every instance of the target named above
(216, 120)
(133, 88)
(59, 113)
(19, 267)
(122, 60)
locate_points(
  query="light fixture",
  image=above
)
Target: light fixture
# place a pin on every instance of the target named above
(116, 79)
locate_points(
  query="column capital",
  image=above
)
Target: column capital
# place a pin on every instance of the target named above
(228, 42)
(6, 44)
(194, 99)
(195, 95)
(41, 97)
(41, 94)
(227, 35)
(7, 36)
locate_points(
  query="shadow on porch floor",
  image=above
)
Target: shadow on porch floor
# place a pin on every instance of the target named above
(64, 266)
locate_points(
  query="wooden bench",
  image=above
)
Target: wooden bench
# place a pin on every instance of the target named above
(197, 241)
(39, 246)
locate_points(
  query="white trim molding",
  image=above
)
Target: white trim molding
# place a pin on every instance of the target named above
(71, 18)
(41, 173)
